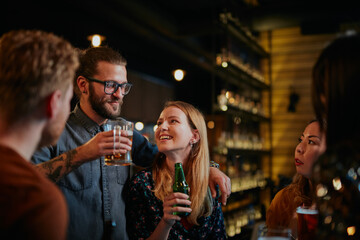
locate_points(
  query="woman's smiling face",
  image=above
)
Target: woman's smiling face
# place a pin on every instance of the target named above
(174, 132)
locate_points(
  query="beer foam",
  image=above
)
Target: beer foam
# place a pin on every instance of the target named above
(303, 210)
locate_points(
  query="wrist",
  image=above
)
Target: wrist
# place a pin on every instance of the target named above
(214, 164)
(167, 224)
(79, 155)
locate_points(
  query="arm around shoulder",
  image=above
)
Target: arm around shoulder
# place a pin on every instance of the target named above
(143, 152)
(217, 177)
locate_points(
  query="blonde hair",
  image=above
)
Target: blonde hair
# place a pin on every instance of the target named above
(196, 170)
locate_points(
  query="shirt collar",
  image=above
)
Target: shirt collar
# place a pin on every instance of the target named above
(86, 122)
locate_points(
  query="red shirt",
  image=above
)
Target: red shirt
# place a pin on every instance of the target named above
(31, 206)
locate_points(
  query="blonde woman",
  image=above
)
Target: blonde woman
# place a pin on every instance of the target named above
(180, 137)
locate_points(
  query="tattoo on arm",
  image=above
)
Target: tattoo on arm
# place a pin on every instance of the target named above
(55, 175)
(55, 171)
(69, 164)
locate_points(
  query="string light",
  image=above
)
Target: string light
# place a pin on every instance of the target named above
(96, 40)
(179, 74)
(351, 230)
(337, 183)
(211, 124)
(139, 126)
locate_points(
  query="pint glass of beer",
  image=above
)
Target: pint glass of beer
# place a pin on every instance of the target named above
(307, 222)
(115, 127)
(128, 132)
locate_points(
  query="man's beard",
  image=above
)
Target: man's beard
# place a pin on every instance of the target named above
(51, 133)
(98, 104)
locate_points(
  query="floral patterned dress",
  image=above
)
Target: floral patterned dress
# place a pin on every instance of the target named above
(144, 212)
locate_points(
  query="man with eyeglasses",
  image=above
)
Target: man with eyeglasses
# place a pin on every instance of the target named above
(111, 87)
(92, 189)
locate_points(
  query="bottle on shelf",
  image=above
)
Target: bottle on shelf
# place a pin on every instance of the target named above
(235, 221)
(237, 101)
(239, 140)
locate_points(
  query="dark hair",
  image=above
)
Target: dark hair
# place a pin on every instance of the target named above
(335, 90)
(89, 59)
(313, 120)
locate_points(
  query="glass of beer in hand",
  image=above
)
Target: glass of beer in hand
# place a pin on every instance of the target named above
(114, 158)
(121, 128)
(127, 128)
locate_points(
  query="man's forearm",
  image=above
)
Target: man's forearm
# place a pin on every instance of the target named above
(61, 165)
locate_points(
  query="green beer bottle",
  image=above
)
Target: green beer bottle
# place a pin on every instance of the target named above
(180, 185)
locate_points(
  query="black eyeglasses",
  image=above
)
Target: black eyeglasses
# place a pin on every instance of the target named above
(111, 87)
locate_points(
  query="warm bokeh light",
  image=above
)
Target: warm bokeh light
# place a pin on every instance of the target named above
(139, 126)
(211, 124)
(351, 230)
(179, 74)
(237, 120)
(337, 183)
(96, 40)
(218, 60)
(224, 108)
(224, 64)
(227, 94)
(321, 190)
(328, 220)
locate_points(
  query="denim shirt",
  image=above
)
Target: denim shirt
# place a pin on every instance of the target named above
(94, 190)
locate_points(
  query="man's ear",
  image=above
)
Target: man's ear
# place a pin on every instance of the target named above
(53, 104)
(81, 82)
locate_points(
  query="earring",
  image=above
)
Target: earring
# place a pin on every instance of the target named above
(192, 143)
